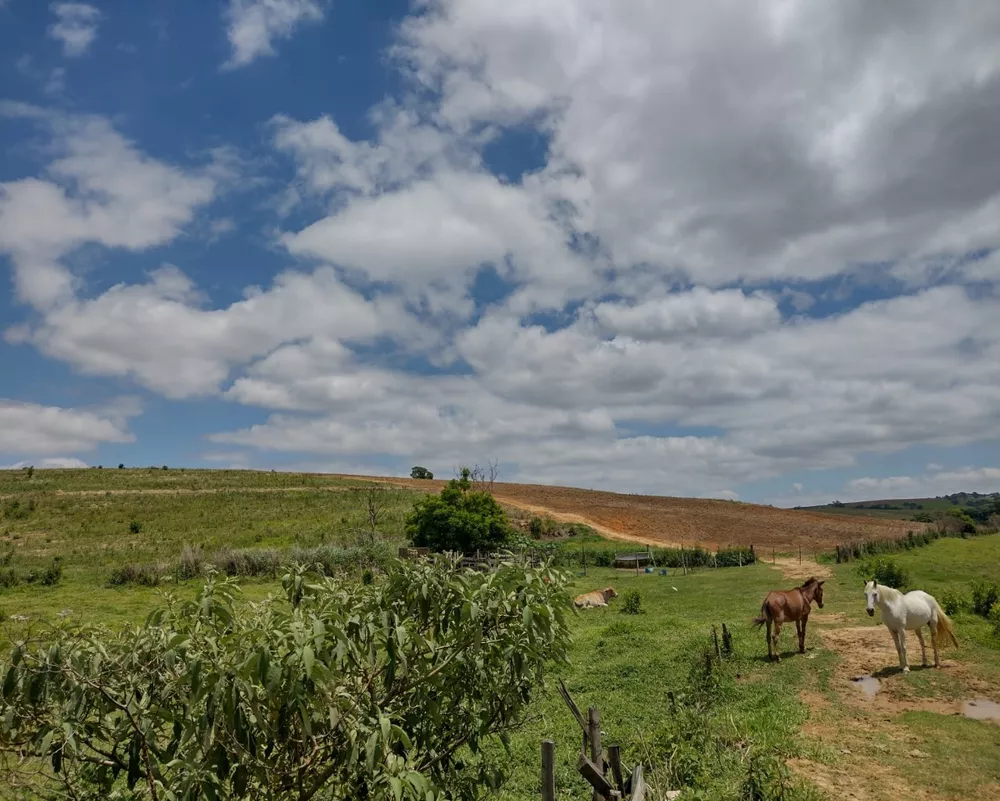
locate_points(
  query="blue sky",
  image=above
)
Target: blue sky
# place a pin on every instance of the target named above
(673, 248)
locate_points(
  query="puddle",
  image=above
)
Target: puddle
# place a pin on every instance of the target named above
(981, 709)
(869, 685)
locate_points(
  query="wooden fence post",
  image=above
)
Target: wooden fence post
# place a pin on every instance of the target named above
(615, 763)
(548, 770)
(715, 637)
(596, 752)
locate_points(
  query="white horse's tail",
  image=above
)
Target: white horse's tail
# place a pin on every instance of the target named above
(944, 628)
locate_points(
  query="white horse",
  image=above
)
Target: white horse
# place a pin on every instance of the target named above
(909, 612)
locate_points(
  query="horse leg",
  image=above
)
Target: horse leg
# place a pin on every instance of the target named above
(802, 635)
(923, 648)
(770, 655)
(902, 651)
(937, 659)
(899, 651)
(777, 631)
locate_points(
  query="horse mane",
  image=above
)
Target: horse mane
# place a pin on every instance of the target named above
(889, 593)
(809, 582)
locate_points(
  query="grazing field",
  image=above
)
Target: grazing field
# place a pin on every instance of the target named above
(656, 520)
(910, 740)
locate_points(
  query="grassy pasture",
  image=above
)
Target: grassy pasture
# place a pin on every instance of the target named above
(802, 708)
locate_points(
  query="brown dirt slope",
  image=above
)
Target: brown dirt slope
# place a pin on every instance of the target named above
(651, 519)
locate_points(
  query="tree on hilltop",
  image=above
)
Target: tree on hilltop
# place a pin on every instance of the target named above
(460, 519)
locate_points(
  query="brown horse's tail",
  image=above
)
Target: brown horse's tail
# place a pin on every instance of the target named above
(765, 615)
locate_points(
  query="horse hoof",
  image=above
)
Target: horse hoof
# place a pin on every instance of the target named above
(906, 670)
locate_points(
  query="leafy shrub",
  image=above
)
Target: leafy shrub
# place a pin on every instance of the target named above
(135, 526)
(52, 575)
(340, 691)
(459, 519)
(953, 602)
(966, 525)
(121, 465)
(985, 595)
(632, 603)
(9, 578)
(995, 620)
(884, 571)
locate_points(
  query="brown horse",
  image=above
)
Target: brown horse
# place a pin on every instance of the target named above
(783, 605)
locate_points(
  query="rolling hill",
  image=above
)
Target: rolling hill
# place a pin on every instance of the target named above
(661, 520)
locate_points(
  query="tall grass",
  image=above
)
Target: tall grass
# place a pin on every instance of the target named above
(255, 562)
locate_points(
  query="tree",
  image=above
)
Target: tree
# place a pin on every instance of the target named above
(459, 519)
(341, 690)
(421, 472)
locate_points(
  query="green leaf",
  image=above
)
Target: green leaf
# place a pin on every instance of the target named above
(527, 616)
(397, 787)
(9, 683)
(241, 778)
(370, 747)
(307, 660)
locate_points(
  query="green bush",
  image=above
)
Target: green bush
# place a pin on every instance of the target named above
(953, 602)
(995, 620)
(884, 571)
(985, 595)
(459, 519)
(421, 472)
(135, 527)
(340, 690)
(632, 603)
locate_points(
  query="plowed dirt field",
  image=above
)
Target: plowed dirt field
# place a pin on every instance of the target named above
(657, 520)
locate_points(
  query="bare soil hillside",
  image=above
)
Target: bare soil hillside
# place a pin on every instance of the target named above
(658, 520)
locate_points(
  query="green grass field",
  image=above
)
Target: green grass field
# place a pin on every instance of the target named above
(626, 665)
(905, 508)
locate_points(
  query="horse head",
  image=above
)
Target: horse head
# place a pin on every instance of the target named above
(813, 590)
(871, 593)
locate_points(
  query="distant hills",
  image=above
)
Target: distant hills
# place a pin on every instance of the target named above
(979, 506)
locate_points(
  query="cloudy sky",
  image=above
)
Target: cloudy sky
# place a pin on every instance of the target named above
(708, 248)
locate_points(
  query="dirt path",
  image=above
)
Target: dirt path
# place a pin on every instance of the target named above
(792, 568)
(566, 517)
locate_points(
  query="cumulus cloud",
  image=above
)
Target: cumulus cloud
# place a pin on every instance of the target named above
(75, 26)
(253, 25)
(51, 462)
(934, 482)
(750, 141)
(100, 189)
(30, 429)
(660, 324)
(159, 334)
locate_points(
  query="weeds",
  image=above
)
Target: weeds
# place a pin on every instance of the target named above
(884, 571)
(985, 595)
(632, 603)
(953, 602)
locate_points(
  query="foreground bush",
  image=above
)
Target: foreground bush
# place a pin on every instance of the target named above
(342, 690)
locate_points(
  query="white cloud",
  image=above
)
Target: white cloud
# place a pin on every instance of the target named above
(52, 462)
(29, 429)
(739, 141)
(75, 26)
(100, 189)
(159, 334)
(253, 25)
(931, 484)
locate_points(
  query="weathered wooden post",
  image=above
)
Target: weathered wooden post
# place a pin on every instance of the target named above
(715, 637)
(596, 752)
(615, 763)
(727, 640)
(548, 770)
